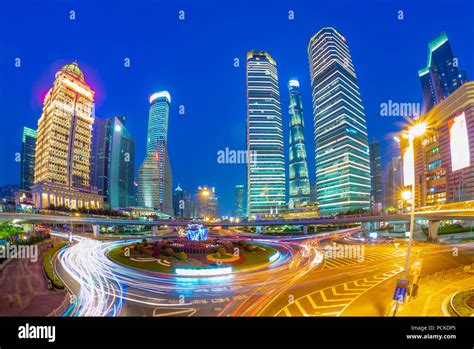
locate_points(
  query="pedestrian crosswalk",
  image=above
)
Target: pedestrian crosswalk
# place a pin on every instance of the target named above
(332, 301)
(331, 263)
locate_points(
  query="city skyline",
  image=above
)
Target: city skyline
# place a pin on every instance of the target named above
(460, 47)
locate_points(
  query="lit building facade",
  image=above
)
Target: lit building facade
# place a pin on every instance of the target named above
(376, 193)
(394, 184)
(342, 151)
(205, 203)
(239, 204)
(443, 156)
(155, 181)
(266, 169)
(298, 166)
(155, 189)
(63, 145)
(27, 160)
(441, 76)
(113, 162)
(178, 202)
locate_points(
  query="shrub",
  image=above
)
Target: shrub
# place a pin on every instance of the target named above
(141, 249)
(250, 248)
(221, 250)
(217, 255)
(48, 269)
(243, 243)
(182, 256)
(169, 251)
(229, 246)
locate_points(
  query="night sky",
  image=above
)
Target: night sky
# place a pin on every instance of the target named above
(194, 60)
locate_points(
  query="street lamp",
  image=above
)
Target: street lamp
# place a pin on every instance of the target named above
(414, 131)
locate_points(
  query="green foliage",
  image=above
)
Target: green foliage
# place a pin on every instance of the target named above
(8, 230)
(182, 256)
(48, 268)
(453, 229)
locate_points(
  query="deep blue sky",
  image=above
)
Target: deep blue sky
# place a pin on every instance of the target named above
(193, 60)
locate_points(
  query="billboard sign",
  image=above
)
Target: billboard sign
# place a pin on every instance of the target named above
(459, 142)
(408, 169)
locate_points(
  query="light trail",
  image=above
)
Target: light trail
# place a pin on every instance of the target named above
(106, 285)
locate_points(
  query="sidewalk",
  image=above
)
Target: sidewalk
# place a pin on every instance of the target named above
(435, 293)
(24, 289)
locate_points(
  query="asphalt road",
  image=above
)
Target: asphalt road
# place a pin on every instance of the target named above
(307, 280)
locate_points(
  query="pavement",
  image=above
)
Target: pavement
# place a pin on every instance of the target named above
(353, 287)
(435, 293)
(24, 289)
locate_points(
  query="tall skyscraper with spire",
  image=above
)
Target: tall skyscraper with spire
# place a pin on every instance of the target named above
(63, 145)
(154, 175)
(340, 131)
(266, 168)
(441, 76)
(298, 175)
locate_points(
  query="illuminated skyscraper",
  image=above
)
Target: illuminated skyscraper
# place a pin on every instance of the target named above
(376, 194)
(113, 162)
(178, 202)
(266, 168)
(155, 189)
(205, 203)
(298, 176)
(158, 119)
(342, 152)
(27, 164)
(239, 210)
(63, 145)
(441, 76)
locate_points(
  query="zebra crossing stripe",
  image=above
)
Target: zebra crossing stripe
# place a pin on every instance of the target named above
(301, 309)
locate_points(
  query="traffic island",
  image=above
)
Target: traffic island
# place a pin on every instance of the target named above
(182, 257)
(462, 303)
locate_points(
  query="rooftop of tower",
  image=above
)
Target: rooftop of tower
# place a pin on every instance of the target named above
(256, 53)
(73, 69)
(322, 30)
(161, 94)
(433, 45)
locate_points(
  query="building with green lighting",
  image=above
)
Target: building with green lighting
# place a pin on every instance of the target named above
(27, 160)
(298, 167)
(340, 131)
(441, 76)
(266, 183)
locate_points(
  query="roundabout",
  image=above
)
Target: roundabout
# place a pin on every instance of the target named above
(210, 256)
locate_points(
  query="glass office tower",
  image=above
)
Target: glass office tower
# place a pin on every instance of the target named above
(266, 168)
(342, 152)
(376, 195)
(27, 164)
(155, 189)
(113, 162)
(441, 76)
(298, 174)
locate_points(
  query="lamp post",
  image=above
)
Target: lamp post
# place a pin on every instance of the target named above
(414, 131)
